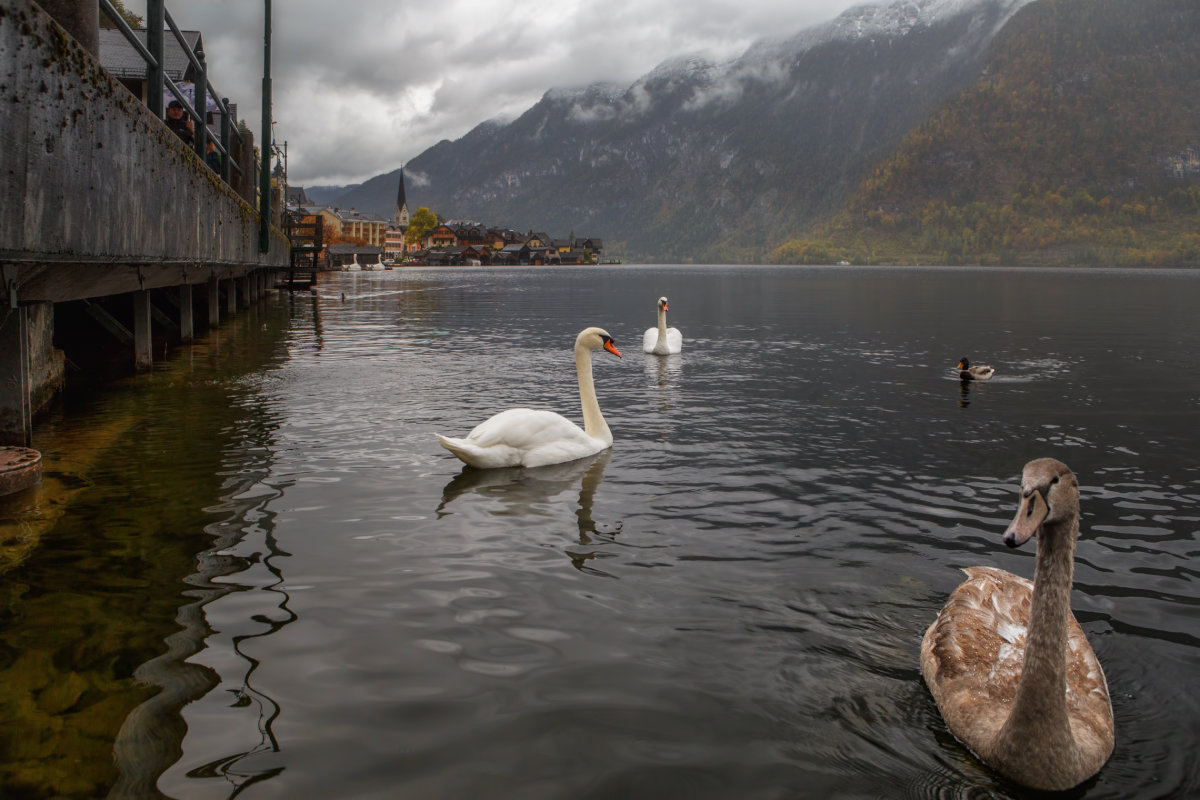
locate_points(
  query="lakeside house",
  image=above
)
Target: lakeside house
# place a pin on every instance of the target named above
(450, 243)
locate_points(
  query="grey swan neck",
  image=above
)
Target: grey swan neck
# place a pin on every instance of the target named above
(593, 421)
(1037, 734)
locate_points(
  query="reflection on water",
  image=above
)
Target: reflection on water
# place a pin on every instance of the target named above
(964, 396)
(522, 492)
(274, 583)
(94, 631)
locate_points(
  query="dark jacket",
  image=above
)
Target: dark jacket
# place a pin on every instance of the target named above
(181, 129)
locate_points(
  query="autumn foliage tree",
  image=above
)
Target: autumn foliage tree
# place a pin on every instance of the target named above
(420, 223)
(131, 19)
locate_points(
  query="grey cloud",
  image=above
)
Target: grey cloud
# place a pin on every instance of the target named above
(357, 91)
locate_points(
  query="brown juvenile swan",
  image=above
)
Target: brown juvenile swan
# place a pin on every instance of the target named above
(1009, 667)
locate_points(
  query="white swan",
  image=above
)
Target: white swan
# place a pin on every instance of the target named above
(524, 437)
(662, 340)
(1009, 667)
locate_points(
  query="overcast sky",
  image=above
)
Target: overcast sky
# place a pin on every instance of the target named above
(361, 86)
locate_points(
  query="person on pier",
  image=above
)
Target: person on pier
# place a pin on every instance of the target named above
(180, 122)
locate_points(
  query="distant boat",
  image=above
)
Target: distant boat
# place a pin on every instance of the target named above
(843, 263)
(353, 266)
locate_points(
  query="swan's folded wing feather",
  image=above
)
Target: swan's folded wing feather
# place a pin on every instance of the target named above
(972, 654)
(649, 339)
(1088, 702)
(524, 428)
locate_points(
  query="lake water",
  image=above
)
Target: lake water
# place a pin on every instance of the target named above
(255, 571)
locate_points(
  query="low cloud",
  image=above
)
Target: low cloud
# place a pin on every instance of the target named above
(358, 91)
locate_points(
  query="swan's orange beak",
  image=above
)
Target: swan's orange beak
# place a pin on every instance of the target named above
(666, 307)
(612, 348)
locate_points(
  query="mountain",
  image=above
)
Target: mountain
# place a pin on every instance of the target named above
(698, 161)
(1079, 144)
(842, 140)
(326, 195)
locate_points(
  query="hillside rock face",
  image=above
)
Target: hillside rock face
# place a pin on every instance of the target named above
(700, 162)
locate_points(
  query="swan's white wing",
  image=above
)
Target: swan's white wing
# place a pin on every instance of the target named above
(674, 340)
(649, 339)
(523, 437)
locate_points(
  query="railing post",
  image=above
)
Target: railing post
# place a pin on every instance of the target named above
(264, 146)
(226, 141)
(201, 139)
(155, 16)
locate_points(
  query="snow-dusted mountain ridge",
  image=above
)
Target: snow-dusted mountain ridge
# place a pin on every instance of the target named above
(693, 152)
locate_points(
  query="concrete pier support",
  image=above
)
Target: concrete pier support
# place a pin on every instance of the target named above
(143, 356)
(31, 369)
(214, 302)
(47, 364)
(231, 294)
(71, 138)
(186, 324)
(16, 415)
(243, 291)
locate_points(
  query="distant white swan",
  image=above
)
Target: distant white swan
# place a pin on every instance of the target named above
(1009, 667)
(525, 437)
(662, 340)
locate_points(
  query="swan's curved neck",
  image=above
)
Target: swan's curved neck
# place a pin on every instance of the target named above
(660, 344)
(1038, 727)
(593, 421)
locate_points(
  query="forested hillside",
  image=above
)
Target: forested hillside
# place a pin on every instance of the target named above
(1079, 145)
(702, 162)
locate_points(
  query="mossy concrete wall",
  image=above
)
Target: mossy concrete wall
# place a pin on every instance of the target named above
(99, 197)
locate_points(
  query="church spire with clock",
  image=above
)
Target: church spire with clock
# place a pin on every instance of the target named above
(400, 214)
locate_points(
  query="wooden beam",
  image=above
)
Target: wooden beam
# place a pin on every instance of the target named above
(16, 416)
(214, 302)
(185, 313)
(108, 322)
(160, 316)
(143, 341)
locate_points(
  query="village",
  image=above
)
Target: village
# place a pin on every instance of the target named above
(329, 237)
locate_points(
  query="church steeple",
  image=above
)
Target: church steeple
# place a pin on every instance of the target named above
(400, 213)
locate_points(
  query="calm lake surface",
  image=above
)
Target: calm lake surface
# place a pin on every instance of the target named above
(258, 574)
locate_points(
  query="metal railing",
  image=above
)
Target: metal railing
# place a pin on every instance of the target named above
(157, 81)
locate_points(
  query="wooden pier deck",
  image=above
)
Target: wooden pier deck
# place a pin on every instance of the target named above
(104, 209)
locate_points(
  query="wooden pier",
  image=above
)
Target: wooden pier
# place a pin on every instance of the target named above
(110, 225)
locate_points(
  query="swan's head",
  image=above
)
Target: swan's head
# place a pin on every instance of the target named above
(964, 364)
(1049, 493)
(596, 339)
(662, 303)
